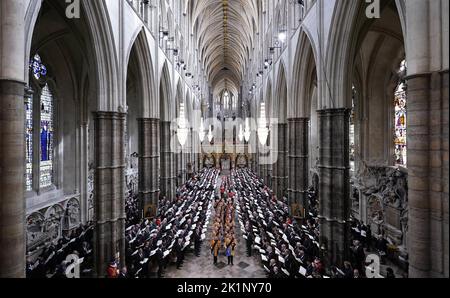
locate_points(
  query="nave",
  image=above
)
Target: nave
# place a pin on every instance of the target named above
(269, 242)
(112, 114)
(203, 267)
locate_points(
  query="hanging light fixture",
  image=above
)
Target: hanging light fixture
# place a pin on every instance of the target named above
(202, 133)
(263, 131)
(210, 134)
(247, 132)
(182, 131)
(282, 36)
(241, 133)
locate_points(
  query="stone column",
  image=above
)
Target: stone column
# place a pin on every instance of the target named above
(279, 168)
(179, 167)
(254, 163)
(262, 167)
(269, 168)
(427, 138)
(334, 184)
(12, 129)
(196, 152)
(109, 189)
(189, 157)
(167, 162)
(12, 168)
(149, 147)
(428, 174)
(298, 161)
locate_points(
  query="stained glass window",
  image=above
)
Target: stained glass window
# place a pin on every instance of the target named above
(46, 138)
(352, 132)
(45, 134)
(29, 142)
(37, 67)
(400, 104)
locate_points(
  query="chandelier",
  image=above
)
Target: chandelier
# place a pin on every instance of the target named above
(247, 132)
(210, 134)
(182, 131)
(241, 134)
(202, 133)
(263, 130)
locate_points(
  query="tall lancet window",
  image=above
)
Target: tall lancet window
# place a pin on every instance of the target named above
(29, 142)
(39, 141)
(352, 132)
(46, 138)
(400, 125)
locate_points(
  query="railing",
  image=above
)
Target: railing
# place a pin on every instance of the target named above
(145, 10)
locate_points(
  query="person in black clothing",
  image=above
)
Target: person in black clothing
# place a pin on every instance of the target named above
(249, 244)
(369, 238)
(123, 273)
(290, 264)
(390, 273)
(348, 270)
(381, 244)
(179, 252)
(276, 273)
(270, 253)
(160, 260)
(359, 256)
(61, 270)
(40, 270)
(197, 240)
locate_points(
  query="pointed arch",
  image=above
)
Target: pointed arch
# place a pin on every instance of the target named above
(165, 95)
(105, 55)
(304, 75)
(281, 96)
(268, 100)
(139, 58)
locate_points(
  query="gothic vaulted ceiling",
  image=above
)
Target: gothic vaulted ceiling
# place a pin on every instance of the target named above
(224, 32)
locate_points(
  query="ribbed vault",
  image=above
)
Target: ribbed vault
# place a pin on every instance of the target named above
(224, 31)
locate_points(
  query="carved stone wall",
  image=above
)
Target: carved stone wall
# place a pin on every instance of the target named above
(383, 191)
(49, 223)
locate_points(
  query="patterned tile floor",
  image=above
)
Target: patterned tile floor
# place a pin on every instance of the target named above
(203, 267)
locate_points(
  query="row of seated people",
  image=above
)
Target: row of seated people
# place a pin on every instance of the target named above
(224, 225)
(153, 245)
(53, 261)
(287, 250)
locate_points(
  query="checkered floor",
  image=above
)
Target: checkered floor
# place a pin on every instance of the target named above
(203, 267)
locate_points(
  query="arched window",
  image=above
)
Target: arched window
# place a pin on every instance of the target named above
(400, 104)
(29, 142)
(39, 113)
(46, 138)
(352, 132)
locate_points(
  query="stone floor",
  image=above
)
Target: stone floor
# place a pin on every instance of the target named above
(203, 267)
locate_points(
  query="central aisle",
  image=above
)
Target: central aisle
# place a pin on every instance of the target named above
(203, 267)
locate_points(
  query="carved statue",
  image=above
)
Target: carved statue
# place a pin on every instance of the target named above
(35, 231)
(363, 169)
(53, 227)
(134, 158)
(73, 213)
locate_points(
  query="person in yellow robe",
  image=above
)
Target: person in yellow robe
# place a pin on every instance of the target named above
(230, 246)
(215, 247)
